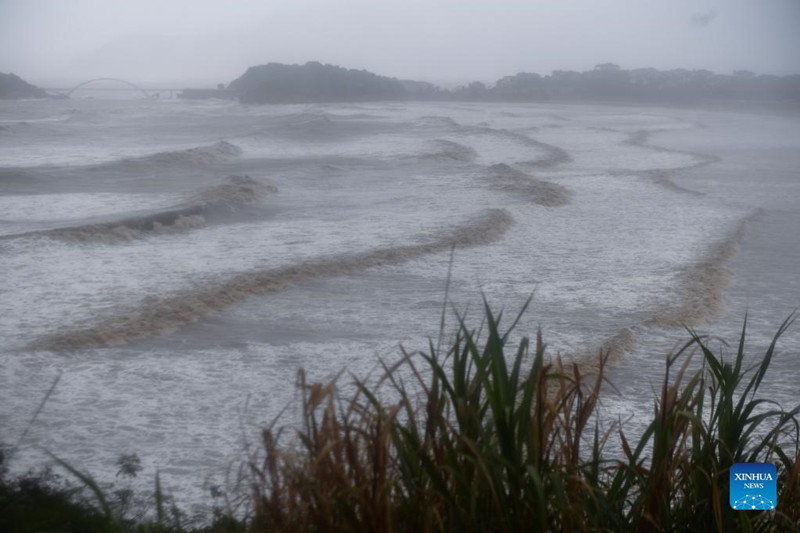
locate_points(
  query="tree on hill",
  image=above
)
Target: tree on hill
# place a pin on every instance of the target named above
(314, 82)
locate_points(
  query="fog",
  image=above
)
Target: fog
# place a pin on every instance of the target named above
(51, 42)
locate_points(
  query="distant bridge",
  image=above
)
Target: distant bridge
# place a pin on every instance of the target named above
(130, 84)
(219, 92)
(153, 93)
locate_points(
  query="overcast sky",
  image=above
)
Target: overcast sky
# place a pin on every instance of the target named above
(179, 42)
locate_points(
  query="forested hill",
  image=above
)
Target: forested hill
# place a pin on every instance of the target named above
(610, 82)
(315, 82)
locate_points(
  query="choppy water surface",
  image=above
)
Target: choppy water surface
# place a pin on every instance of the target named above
(176, 262)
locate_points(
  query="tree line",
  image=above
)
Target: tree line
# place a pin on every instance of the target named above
(315, 82)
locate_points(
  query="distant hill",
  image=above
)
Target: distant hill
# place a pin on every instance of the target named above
(609, 82)
(314, 82)
(12, 86)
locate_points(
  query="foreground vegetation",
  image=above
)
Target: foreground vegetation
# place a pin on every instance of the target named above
(479, 437)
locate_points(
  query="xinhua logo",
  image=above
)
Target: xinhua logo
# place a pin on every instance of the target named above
(754, 486)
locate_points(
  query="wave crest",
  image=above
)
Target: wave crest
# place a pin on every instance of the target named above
(450, 150)
(159, 315)
(540, 192)
(641, 139)
(612, 350)
(554, 155)
(700, 294)
(236, 192)
(203, 155)
(436, 120)
(666, 179)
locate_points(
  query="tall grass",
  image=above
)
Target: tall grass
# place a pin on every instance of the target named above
(482, 437)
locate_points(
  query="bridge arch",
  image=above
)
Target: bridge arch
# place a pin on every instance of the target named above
(133, 85)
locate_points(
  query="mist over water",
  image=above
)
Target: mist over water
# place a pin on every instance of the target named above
(177, 261)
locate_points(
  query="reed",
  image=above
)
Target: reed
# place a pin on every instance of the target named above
(482, 437)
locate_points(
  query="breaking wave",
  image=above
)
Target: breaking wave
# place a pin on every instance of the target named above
(666, 179)
(159, 315)
(204, 155)
(327, 168)
(359, 116)
(640, 138)
(449, 150)
(701, 289)
(435, 120)
(613, 350)
(311, 123)
(308, 127)
(321, 127)
(554, 155)
(235, 192)
(540, 192)
(81, 115)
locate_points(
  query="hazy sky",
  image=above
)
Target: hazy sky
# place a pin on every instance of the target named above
(178, 42)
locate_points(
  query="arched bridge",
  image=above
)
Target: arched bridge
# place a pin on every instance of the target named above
(133, 85)
(151, 93)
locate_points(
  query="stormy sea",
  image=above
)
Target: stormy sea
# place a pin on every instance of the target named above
(173, 263)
